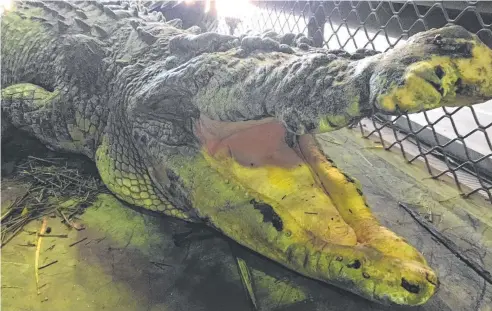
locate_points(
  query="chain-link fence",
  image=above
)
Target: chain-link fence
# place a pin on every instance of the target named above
(451, 141)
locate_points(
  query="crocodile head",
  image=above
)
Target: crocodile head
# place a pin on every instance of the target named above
(246, 161)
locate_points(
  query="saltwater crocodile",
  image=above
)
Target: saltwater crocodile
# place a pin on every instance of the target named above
(219, 129)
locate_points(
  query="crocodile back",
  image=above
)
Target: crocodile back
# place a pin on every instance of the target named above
(40, 39)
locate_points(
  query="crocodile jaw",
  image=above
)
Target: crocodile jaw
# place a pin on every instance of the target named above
(307, 215)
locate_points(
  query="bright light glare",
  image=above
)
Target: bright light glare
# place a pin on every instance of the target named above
(238, 8)
(257, 19)
(5, 5)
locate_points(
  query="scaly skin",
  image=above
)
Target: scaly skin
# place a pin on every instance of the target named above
(195, 13)
(220, 129)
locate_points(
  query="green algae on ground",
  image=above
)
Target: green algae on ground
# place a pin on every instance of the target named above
(84, 280)
(83, 277)
(85, 269)
(73, 283)
(110, 216)
(107, 215)
(274, 293)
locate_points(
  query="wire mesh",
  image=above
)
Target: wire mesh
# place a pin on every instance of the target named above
(456, 141)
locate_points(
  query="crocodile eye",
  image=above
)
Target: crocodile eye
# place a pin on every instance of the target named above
(439, 72)
(437, 40)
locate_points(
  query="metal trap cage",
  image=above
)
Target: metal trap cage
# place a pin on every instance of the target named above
(450, 141)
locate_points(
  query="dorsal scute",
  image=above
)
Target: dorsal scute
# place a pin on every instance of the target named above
(196, 30)
(105, 20)
(189, 45)
(270, 40)
(177, 22)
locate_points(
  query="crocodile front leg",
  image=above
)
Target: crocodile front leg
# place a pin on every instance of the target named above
(123, 172)
(39, 112)
(64, 119)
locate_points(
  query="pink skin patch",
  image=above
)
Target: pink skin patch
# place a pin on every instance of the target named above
(250, 143)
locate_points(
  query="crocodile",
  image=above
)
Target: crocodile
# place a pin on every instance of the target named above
(221, 129)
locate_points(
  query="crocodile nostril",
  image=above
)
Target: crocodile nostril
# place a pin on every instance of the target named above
(437, 87)
(412, 288)
(439, 72)
(355, 265)
(459, 86)
(431, 280)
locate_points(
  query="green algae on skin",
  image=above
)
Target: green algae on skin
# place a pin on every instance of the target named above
(242, 221)
(23, 25)
(410, 183)
(127, 186)
(37, 94)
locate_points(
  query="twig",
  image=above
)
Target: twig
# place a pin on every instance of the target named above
(79, 241)
(100, 239)
(42, 181)
(42, 160)
(245, 275)
(450, 245)
(448, 199)
(54, 235)
(47, 182)
(364, 157)
(373, 147)
(7, 213)
(11, 207)
(330, 141)
(13, 235)
(160, 265)
(68, 222)
(48, 264)
(58, 174)
(41, 194)
(38, 249)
